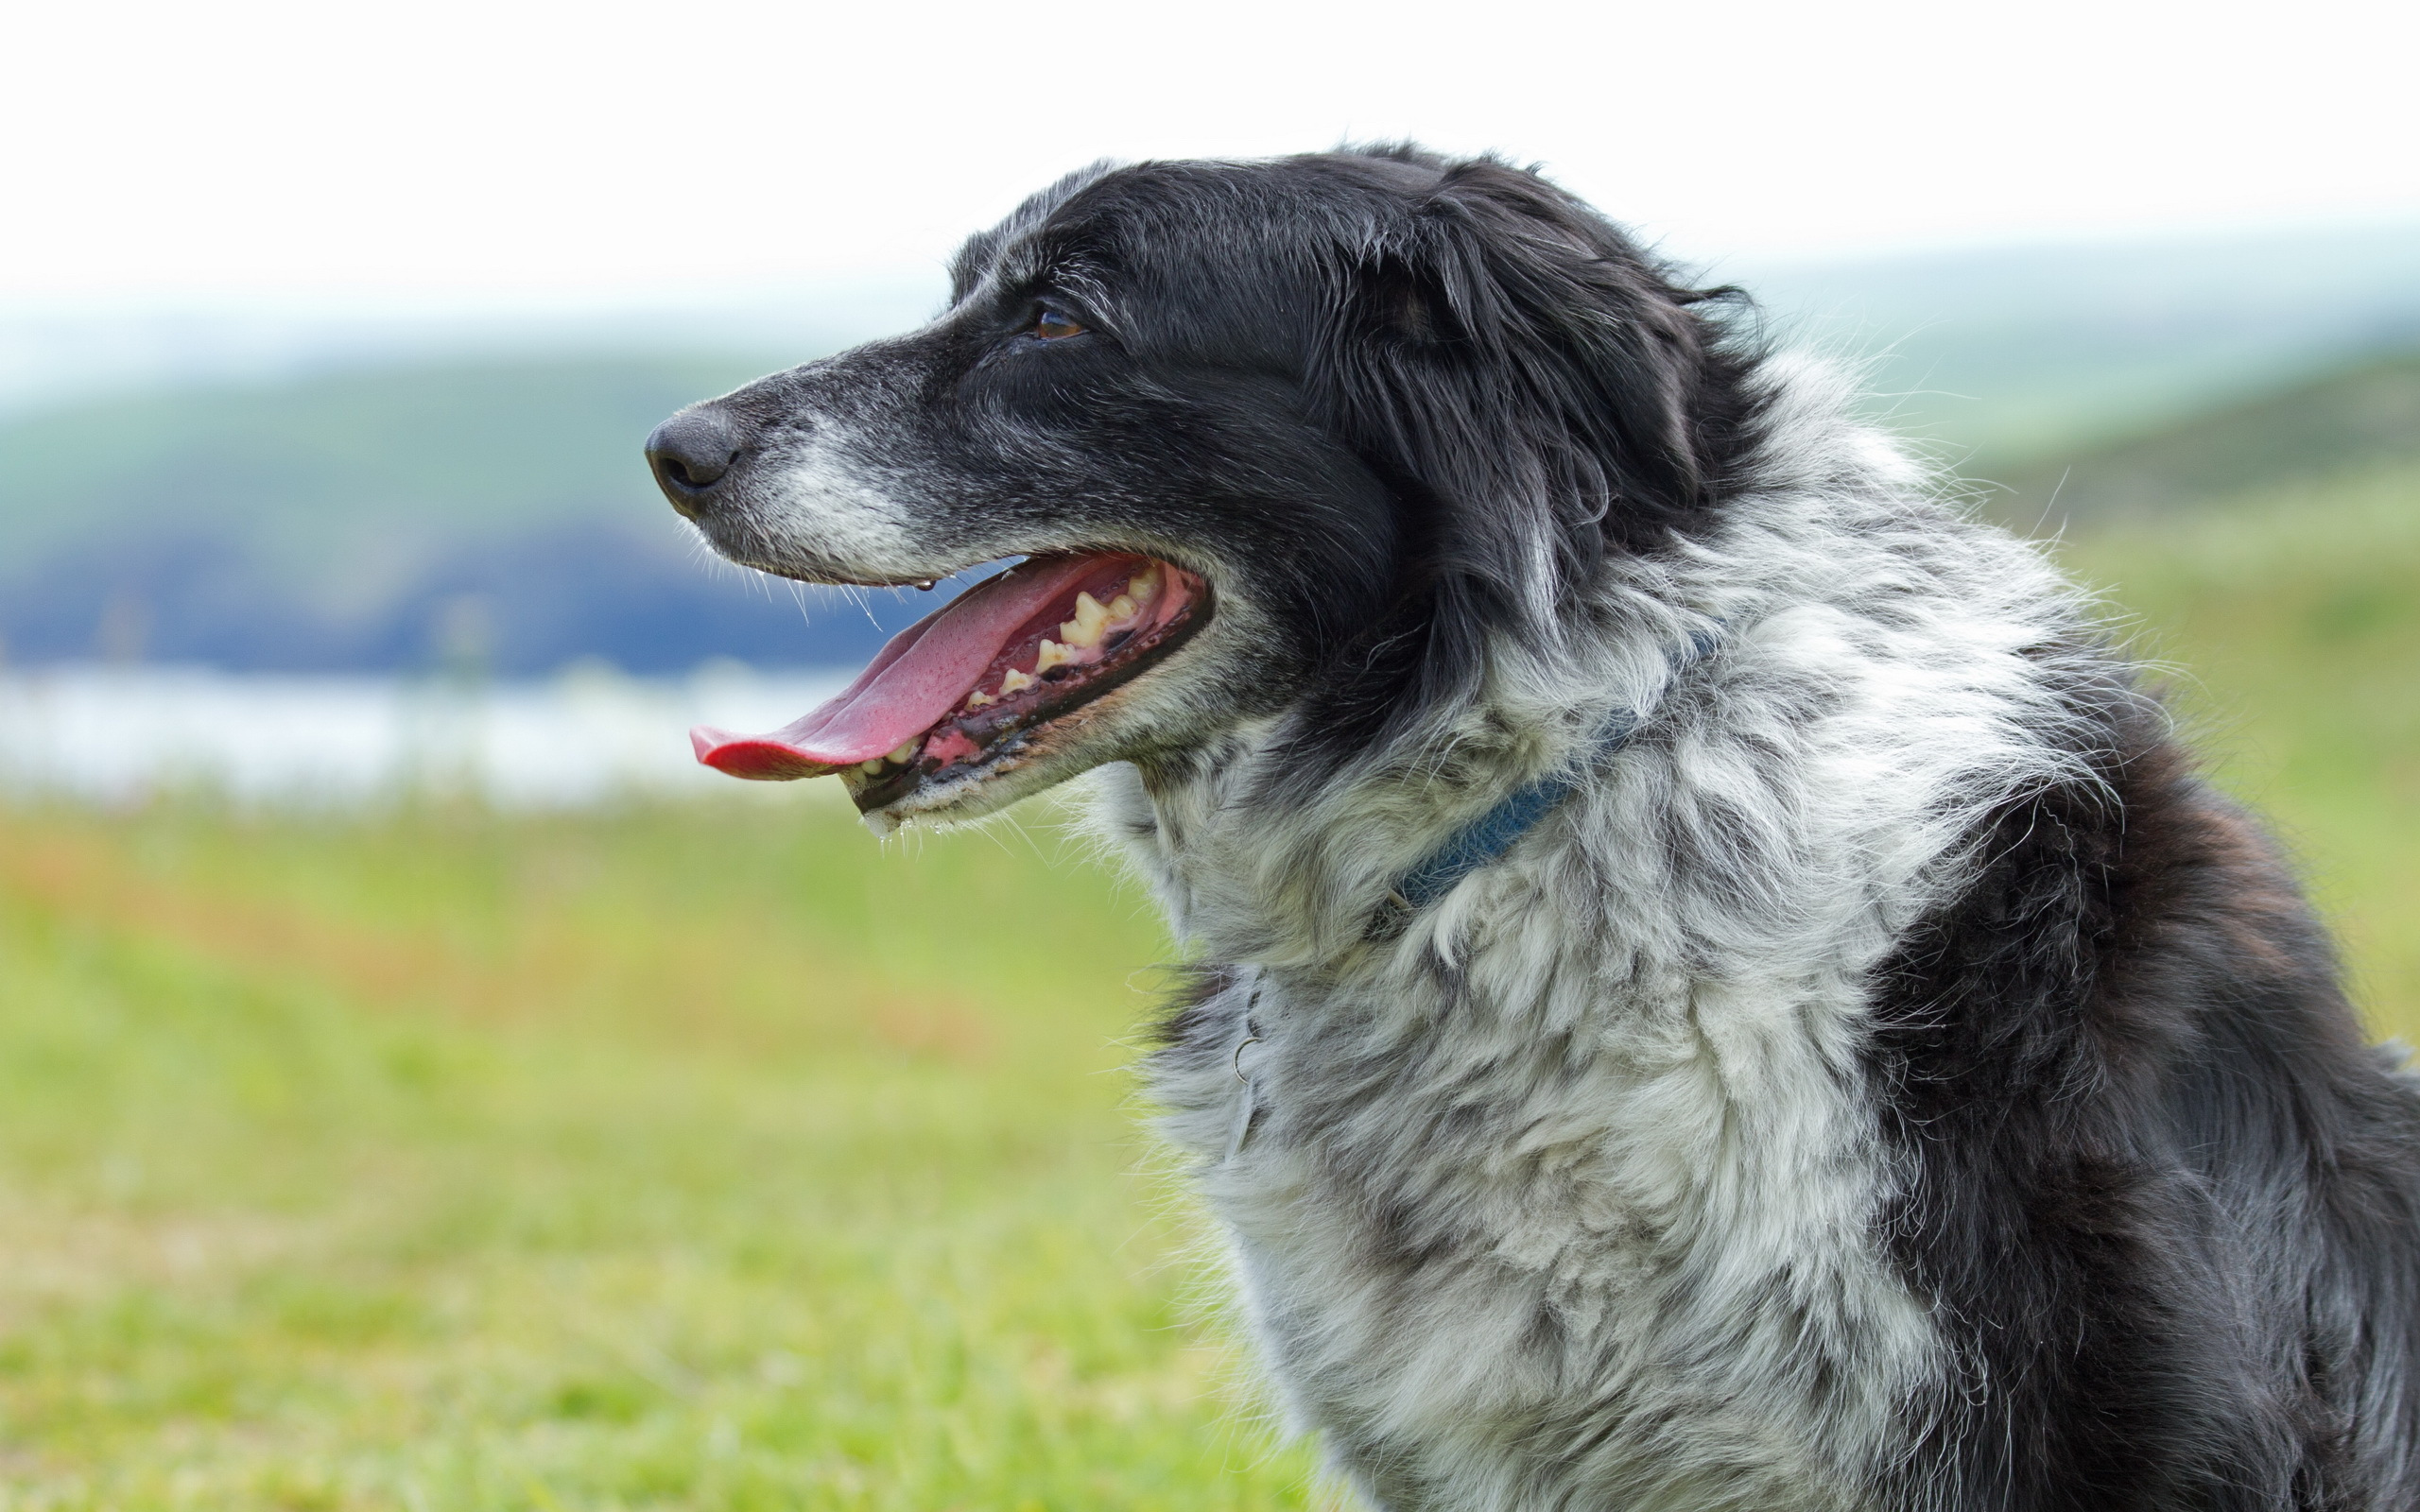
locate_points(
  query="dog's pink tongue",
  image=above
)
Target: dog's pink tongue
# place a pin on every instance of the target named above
(920, 677)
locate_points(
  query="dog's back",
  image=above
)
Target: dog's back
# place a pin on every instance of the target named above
(2162, 1195)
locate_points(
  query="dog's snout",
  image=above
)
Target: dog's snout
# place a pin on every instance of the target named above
(691, 453)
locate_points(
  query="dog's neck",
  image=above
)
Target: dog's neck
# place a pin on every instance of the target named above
(1330, 882)
(1809, 553)
(1614, 1067)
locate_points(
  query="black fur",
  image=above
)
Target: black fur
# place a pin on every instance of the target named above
(2162, 1201)
(1393, 374)
(2161, 1192)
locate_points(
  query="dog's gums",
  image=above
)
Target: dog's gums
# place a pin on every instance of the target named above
(976, 680)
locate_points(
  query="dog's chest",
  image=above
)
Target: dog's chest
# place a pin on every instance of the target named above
(1476, 1251)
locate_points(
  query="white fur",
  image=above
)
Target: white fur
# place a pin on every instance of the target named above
(823, 493)
(1568, 1196)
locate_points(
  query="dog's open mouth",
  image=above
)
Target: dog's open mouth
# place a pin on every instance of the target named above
(981, 676)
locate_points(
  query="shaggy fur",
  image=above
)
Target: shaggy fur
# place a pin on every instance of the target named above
(1892, 1081)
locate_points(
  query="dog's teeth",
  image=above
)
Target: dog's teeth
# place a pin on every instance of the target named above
(1146, 586)
(870, 767)
(1050, 654)
(905, 753)
(1123, 608)
(979, 699)
(1084, 630)
(1015, 681)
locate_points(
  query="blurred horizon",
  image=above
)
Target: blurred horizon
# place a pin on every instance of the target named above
(57, 350)
(340, 329)
(309, 490)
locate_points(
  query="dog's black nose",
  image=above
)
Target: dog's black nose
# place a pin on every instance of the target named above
(690, 453)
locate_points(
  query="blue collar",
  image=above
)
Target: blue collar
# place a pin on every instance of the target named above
(1486, 838)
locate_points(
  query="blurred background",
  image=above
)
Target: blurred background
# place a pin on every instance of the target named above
(421, 1087)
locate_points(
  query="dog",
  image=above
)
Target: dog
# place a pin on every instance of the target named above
(1716, 985)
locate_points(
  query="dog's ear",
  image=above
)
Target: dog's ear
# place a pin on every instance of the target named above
(1531, 385)
(1535, 392)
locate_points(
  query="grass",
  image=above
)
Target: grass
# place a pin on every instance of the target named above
(2293, 619)
(718, 1158)
(709, 1158)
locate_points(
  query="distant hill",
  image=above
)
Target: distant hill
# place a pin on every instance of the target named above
(331, 474)
(494, 511)
(494, 508)
(2356, 418)
(2000, 355)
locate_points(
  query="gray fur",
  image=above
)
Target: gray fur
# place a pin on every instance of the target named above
(1569, 1195)
(1891, 1081)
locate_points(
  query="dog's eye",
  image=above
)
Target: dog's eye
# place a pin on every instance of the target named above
(1050, 325)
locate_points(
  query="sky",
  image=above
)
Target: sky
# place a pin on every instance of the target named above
(531, 155)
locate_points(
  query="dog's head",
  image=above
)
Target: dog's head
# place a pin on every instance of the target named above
(1301, 438)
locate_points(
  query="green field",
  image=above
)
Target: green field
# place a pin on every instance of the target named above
(714, 1156)
(718, 1156)
(2289, 620)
